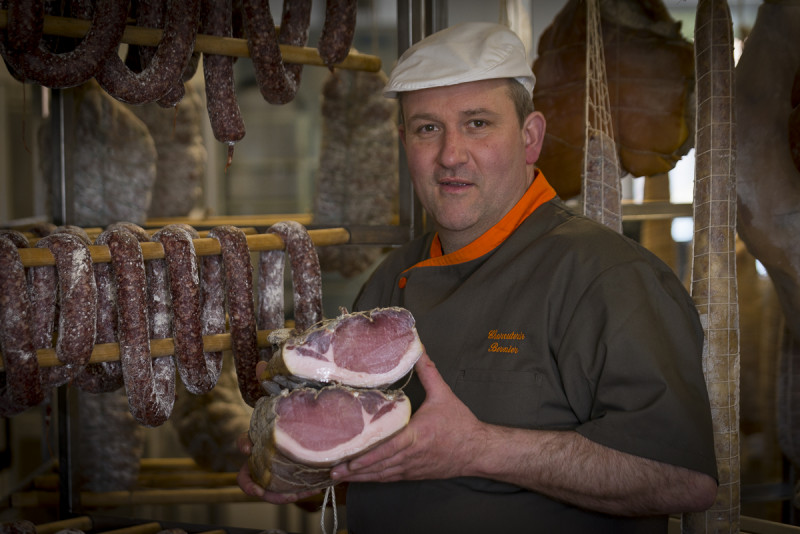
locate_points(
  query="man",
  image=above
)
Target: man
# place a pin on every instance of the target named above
(562, 388)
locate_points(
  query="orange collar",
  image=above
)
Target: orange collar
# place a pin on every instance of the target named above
(539, 192)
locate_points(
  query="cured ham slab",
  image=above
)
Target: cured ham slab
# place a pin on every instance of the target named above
(300, 434)
(368, 349)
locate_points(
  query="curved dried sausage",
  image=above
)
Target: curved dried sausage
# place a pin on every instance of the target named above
(338, 30)
(306, 273)
(223, 109)
(73, 281)
(149, 382)
(79, 65)
(199, 372)
(19, 384)
(239, 297)
(166, 67)
(278, 85)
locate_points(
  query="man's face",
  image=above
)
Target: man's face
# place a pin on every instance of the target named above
(469, 159)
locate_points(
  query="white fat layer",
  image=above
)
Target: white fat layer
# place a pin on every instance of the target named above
(325, 370)
(373, 433)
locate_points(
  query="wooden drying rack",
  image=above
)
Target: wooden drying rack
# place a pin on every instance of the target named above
(210, 44)
(204, 246)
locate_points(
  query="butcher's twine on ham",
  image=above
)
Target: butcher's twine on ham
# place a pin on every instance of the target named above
(370, 349)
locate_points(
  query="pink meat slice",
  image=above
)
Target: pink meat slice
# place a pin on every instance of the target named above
(327, 426)
(361, 349)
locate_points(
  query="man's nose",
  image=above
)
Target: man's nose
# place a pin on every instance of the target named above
(453, 151)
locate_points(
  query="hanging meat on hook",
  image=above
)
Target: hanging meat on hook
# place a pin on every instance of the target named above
(68, 69)
(277, 82)
(167, 65)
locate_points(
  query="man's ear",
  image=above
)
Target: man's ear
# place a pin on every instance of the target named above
(533, 129)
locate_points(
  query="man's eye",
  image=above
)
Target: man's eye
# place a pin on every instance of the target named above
(477, 123)
(425, 128)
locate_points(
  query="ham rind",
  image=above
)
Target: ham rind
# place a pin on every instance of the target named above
(363, 349)
(299, 435)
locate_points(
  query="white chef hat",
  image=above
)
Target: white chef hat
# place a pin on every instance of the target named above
(466, 52)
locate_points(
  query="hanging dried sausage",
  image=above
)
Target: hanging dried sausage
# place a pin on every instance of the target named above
(165, 69)
(199, 372)
(278, 85)
(149, 382)
(306, 273)
(20, 388)
(80, 64)
(239, 297)
(72, 280)
(223, 109)
(337, 31)
(102, 377)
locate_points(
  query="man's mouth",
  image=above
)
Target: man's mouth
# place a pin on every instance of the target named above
(451, 183)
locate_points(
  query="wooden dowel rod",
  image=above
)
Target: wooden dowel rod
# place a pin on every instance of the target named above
(76, 523)
(226, 46)
(33, 499)
(145, 528)
(204, 246)
(170, 479)
(108, 352)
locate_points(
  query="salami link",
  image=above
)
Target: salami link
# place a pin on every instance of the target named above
(165, 69)
(306, 273)
(103, 377)
(239, 298)
(73, 282)
(278, 85)
(149, 383)
(198, 371)
(20, 388)
(80, 64)
(337, 31)
(223, 109)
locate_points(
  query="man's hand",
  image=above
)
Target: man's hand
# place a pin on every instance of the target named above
(440, 440)
(250, 487)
